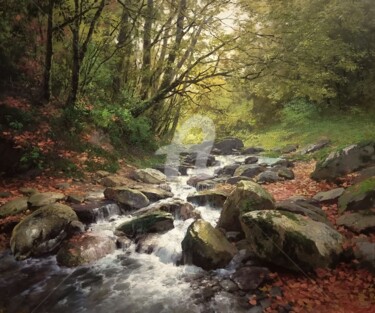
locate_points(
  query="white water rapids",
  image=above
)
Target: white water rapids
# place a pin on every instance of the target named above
(125, 281)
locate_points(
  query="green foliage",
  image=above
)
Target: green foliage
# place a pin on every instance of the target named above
(32, 158)
(298, 112)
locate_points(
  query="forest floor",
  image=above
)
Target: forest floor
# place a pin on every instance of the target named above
(344, 289)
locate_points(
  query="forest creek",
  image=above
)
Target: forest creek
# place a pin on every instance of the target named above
(211, 156)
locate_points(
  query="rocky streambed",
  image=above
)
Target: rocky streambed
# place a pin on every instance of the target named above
(202, 241)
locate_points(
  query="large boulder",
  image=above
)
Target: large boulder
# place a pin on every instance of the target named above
(39, 200)
(150, 176)
(154, 193)
(305, 207)
(227, 170)
(267, 177)
(151, 222)
(358, 197)
(178, 208)
(83, 249)
(247, 196)
(214, 197)
(93, 212)
(360, 222)
(228, 146)
(345, 161)
(128, 198)
(206, 247)
(194, 180)
(112, 181)
(330, 195)
(13, 207)
(291, 240)
(42, 231)
(249, 170)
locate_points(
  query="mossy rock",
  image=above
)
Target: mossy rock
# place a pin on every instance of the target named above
(39, 200)
(358, 197)
(206, 247)
(291, 240)
(13, 207)
(152, 222)
(247, 196)
(42, 231)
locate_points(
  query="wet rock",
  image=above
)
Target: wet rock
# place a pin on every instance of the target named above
(345, 161)
(251, 160)
(267, 177)
(228, 146)
(358, 197)
(283, 163)
(38, 200)
(303, 207)
(123, 243)
(316, 146)
(228, 285)
(228, 170)
(150, 176)
(151, 222)
(249, 170)
(84, 249)
(194, 180)
(235, 180)
(13, 207)
(248, 196)
(253, 150)
(360, 222)
(154, 194)
(329, 196)
(42, 231)
(250, 278)
(206, 247)
(93, 212)
(234, 236)
(129, 198)
(183, 169)
(214, 197)
(206, 184)
(308, 243)
(365, 254)
(200, 160)
(167, 170)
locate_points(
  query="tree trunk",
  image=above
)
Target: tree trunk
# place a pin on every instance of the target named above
(49, 53)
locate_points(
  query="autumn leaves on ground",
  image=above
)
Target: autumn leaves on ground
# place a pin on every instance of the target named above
(346, 288)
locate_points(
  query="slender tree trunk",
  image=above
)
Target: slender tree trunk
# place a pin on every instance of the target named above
(146, 59)
(49, 53)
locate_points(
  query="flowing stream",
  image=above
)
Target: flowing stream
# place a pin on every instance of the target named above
(125, 281)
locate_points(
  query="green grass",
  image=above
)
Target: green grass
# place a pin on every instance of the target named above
(342, 129)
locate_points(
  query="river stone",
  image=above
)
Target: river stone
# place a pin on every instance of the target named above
(249, 170)
(235, 180)
(214, 198)
(251, 160)
(194, 180)
(316, 146)
(285, 173)
(283, 163)
(329, 196)
(179, 209)
(286, 239)
(42, 231)
(360, 222)
(228, 146)
(83, 249)
(75, 198)
(267, 177)
(303, 207)
(228, 170)
(206, 247)
(93, 212)
(253, 150)
(28, 191)
(151, 222)
(365, 254)
(358, 197)
(345, 161)
(154, 193)
(250, 278)
(206, 184)
(13, 207)
(38, 200)
(112, 181)
(247, 196)
(150, 176)
(129, 198)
